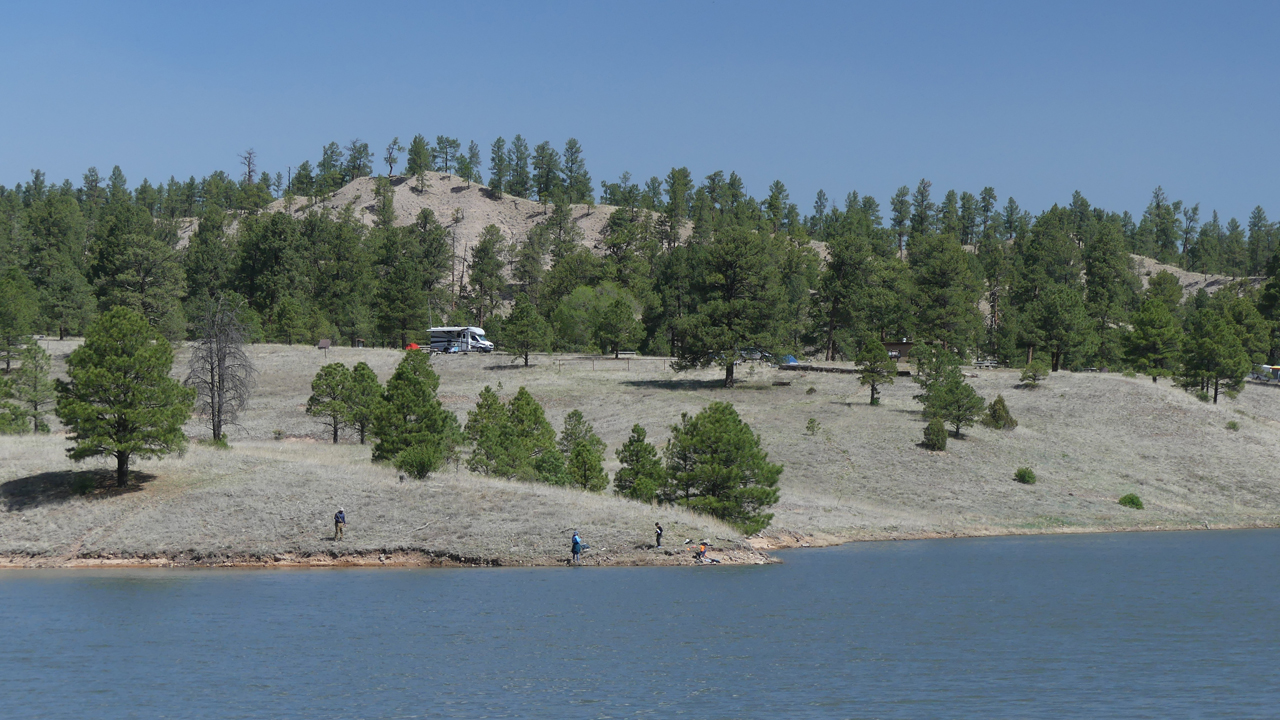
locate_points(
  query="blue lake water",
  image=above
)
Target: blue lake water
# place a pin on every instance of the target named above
(1152, 625)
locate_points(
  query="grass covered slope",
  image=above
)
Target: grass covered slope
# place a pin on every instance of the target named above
(1090, 439)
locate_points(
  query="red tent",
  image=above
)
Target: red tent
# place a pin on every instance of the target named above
(412, 346)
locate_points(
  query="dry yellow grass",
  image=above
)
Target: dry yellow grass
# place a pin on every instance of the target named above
(1089, 437)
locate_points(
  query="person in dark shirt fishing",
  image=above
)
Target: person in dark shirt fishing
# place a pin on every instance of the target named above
(657, 534)
(339, 523)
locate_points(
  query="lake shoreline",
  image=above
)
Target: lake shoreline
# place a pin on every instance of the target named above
(756, 552)
(415, 558)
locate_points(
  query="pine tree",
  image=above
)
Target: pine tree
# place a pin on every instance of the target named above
(394, 148)
(17, 314)
(419, 162)
(901, 219)
(1215, 356)
(120, 400)
(740, 301)
(1153, 348)
(618, 327)
(922, 210)
(498, 168)
(486, 280)
(514, 440)
(641, 475)
(446, 152)
(487, 426)
(147, 276)
(584, 467)
(577, 181)
(359, 161)
(584, 453)
(330, 389)
(878, 368)
(546, 172)
(474, 163)
(520, 184)
(944, 393)
(363, 399)
(525, 330)
(32, 386)
(715, 465)
(954, 402)
(413, 420)
(947, 290)
(13, 417)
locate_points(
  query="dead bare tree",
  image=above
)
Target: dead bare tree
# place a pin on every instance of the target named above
(249, 159)
(219, 369)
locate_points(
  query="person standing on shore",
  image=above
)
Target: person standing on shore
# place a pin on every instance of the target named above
(339, 523)
(657, 534)
(577, 548)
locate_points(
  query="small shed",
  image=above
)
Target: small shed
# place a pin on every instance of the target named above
(899, 350)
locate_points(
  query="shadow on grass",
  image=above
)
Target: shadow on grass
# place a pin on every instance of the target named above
(57, 487)
(512, 366)
(678, 384)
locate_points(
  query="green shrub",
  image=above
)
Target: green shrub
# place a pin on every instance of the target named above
(935, 435)
(1131, 501)
(998, 416)
(278, 434)
(419, 461)
(220, 443)
(1025, 475)
(1034, 372)
(813, 426)
(1233, 425)
(1130, 374)
(1202, 397)
(811, 390)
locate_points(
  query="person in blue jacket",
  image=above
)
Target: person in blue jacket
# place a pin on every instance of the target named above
(577, 548)
(339, 523)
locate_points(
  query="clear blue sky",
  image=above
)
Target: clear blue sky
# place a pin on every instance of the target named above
(1034, 99)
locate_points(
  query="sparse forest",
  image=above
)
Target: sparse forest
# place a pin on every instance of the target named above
(700, 271)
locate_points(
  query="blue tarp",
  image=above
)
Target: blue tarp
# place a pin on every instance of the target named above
(789, 360)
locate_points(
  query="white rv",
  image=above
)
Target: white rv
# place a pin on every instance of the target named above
(459, 339)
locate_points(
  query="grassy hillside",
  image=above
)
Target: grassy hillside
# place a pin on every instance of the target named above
(1089, 437)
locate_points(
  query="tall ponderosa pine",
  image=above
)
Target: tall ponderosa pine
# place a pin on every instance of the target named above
(520, 183)
(499, 168)
(740, 296)
(1154, 346)
(411, 271)
(577, 181)
(120, 400)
